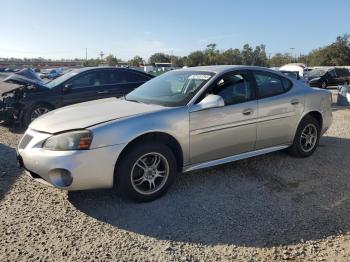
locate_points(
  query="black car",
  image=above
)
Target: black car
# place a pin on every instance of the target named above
(323, 78)
(34, 97)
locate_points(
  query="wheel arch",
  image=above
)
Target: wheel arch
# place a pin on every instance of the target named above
(166, 138)
(316, 115)
(24, 110)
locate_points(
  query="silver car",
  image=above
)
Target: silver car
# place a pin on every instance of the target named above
(181, 121)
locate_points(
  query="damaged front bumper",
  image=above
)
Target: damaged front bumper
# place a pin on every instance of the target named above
(8, 113)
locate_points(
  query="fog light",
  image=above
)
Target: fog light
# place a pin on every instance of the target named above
(60, 177)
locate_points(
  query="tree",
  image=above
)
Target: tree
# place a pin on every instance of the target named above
(195, 58)
(247, 55)
(159, 58)
(177, 60)
(136, 61)
(279, 60)
(211, 54)
(259, 56)
(92, 62)
(230, 57)
(335, 54)
(111, 60)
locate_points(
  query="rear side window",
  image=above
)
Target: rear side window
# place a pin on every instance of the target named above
(268, 84)
(339, 72)
(131, 77)
(114, 77)
(287, 84)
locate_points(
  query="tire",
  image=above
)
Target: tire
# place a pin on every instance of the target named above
(29, 115)
(134, 182)
(324, 85)
(299, 147)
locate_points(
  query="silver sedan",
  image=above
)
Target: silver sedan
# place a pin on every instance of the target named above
(180, 121)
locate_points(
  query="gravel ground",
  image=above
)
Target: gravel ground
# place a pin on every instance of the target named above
(272, 207)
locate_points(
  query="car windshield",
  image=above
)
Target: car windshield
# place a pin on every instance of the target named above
(174, 88)
(61, 79)
(316, 72)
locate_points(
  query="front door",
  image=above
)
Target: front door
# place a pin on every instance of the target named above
(230, 130)
(84, 87)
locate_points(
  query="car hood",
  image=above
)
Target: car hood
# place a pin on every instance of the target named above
(26, 76)
(88, 114)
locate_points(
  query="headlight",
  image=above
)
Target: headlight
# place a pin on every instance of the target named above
(75, 140)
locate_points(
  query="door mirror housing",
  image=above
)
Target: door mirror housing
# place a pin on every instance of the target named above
(210, 101)
(66, 88)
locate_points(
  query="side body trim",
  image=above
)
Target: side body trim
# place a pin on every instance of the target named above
(233, 158)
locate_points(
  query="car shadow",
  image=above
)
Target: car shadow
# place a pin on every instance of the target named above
(9, 172)
(264, 201)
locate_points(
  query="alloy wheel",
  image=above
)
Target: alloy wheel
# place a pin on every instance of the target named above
(38, 112)
(308, 138)
(149, 173)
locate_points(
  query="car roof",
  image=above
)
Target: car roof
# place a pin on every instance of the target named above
(219, 69)
(85, 69)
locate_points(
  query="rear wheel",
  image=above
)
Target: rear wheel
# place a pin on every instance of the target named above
(145, 171)
(306, 138)
(34, 112)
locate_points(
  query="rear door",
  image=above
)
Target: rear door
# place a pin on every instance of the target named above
(123, 81)
(278, 109)
(332, 77)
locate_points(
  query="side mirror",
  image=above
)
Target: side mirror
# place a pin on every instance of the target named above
(210, 101)
(66, 88)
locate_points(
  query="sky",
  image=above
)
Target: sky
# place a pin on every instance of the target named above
(65, 28)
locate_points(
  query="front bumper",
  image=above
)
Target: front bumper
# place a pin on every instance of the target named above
(7, 113)
(70, 170)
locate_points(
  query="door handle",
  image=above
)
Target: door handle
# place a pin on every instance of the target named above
(295, 101)
(247, 111)
(102, 92)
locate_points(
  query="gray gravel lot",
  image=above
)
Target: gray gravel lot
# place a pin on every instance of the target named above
(272, 207)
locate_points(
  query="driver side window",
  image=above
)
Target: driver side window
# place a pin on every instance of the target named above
(86, 80)
(234, 88)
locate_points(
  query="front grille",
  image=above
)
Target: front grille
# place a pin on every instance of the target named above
(25, 141)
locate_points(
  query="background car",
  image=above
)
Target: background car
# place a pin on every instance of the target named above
(294, 75)
(51, 73)
(180, 121)
(34, 97)
(295, 67)
(323, 78)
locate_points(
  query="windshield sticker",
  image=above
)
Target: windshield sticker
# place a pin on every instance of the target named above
(199, 77)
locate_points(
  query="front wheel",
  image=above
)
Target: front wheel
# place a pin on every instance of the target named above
(34, 112)
(306, 138)
(145, 171)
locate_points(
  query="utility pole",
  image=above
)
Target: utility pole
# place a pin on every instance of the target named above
(85, 54)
